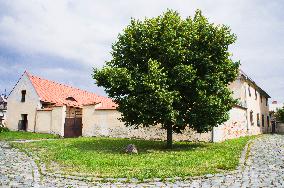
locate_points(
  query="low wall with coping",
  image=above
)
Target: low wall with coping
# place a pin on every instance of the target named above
(106, 123)
(43, 121)
(280, 127)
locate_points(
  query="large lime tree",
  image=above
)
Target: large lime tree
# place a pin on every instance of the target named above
(172, 72)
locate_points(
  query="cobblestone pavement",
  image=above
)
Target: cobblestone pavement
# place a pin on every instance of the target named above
(264, 167)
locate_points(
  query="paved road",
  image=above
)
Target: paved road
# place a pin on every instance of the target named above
(263, 168)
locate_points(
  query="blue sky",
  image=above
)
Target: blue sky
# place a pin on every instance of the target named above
(62, 40)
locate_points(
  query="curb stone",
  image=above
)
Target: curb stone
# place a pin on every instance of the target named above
(262, 160)
(260, 165)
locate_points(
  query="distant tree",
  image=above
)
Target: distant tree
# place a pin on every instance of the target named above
(279, 114)
(173, 72)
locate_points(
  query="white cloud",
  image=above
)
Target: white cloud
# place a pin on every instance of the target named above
(54, 28)
(82, 31)
(79, 30)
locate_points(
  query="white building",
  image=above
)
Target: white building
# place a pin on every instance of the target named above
(275, 105)
(39, 105)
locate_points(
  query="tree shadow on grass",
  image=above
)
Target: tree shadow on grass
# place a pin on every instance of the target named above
(112, 145)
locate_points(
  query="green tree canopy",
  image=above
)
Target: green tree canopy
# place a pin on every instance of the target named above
(171, 71)
(280, 115)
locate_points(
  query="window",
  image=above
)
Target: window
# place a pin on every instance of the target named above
(267, 119)
(266, 101)
(23, 96)
(262, 120)
(257, 119)
(255, 92)
(249, 91)
(251, 117)
(71, 99)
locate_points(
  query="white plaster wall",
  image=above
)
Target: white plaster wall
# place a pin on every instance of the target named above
(239, 122)
(235, 127)
(43, 121)
(257, 106)
(101, 122)
(58, 115)
(106, 123)
(239, 91)
(15, 107)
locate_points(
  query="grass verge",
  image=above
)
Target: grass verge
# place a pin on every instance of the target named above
(20, 135)
(104, 157)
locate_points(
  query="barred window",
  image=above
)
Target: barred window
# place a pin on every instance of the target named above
(249, 91)
(251, 118)
(257, 119)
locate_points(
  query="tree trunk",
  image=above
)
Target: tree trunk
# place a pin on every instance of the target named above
(169, 136)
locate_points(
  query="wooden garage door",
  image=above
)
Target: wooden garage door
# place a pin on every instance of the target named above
(73, 127)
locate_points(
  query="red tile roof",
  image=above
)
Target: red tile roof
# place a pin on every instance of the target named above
(60, 94)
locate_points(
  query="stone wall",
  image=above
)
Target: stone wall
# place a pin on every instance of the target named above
(235, 127)
(106, 123)
(280, 128)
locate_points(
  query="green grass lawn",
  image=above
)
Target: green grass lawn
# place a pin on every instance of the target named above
(104, 157)
(20, 135)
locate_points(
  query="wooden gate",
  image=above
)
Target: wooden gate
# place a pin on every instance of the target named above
(73, 127)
